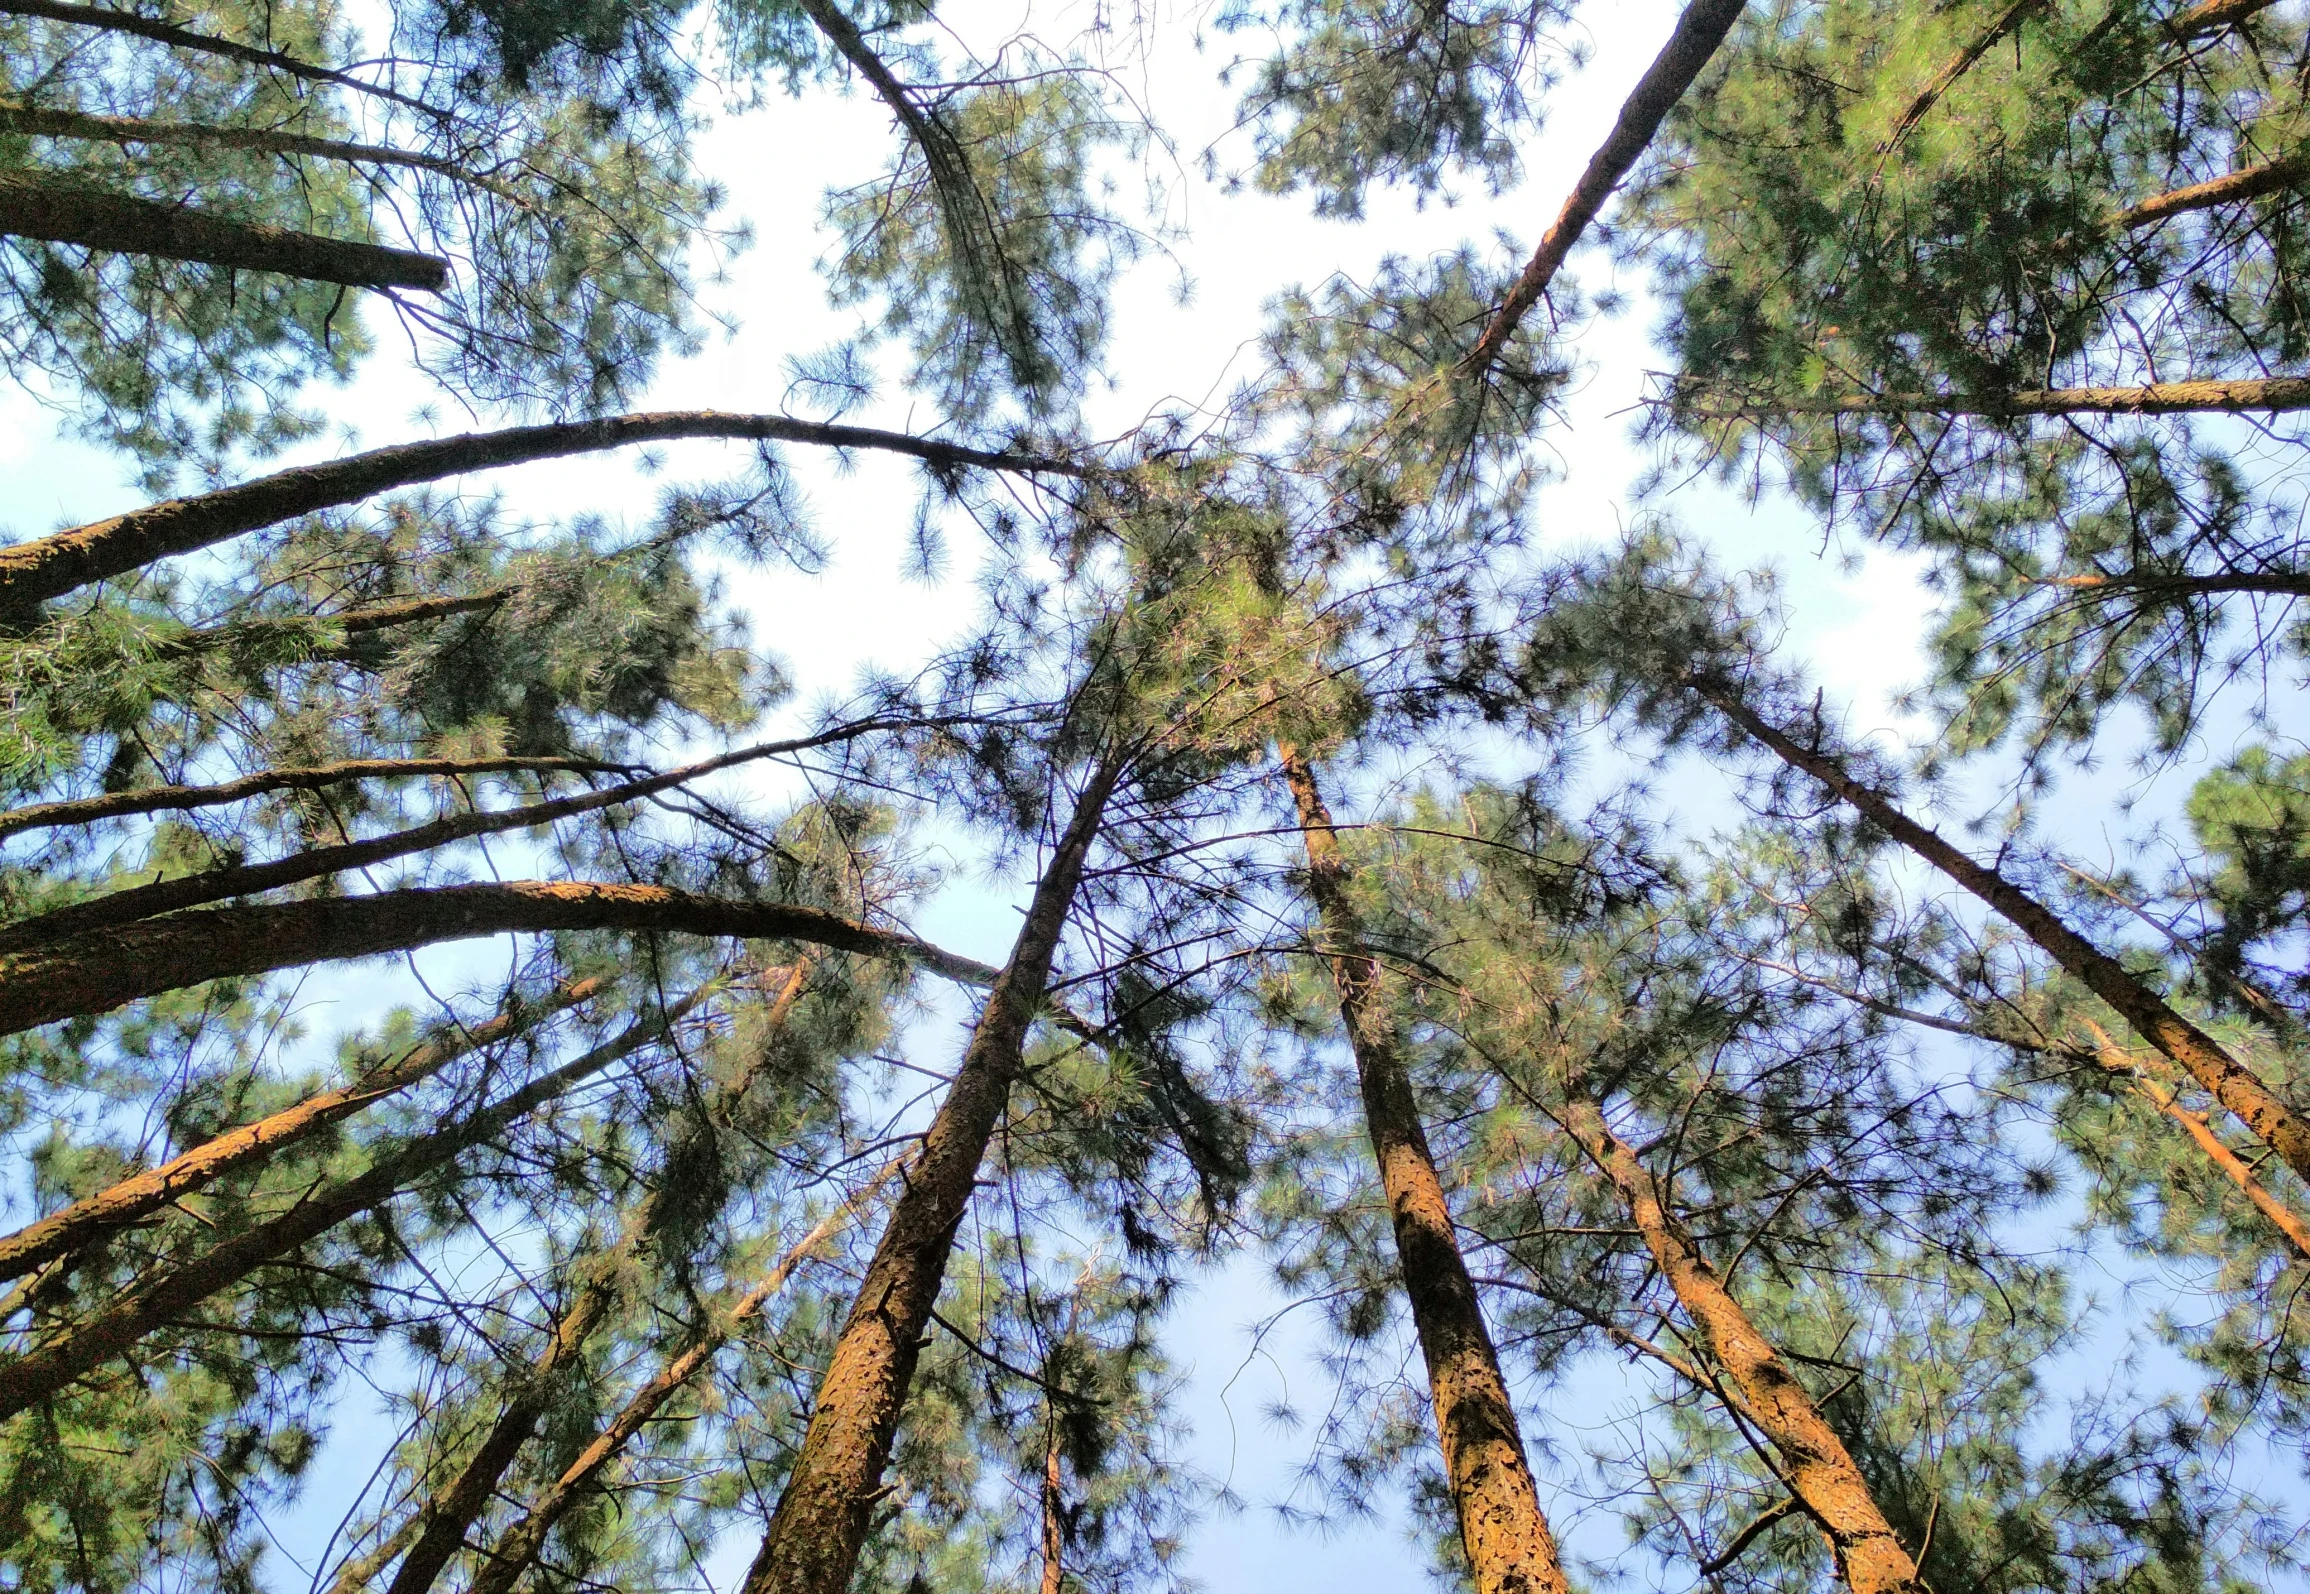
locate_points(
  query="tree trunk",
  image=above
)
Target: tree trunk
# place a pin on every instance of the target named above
(822, 1517)
(66, 213)
(167, 799)
(85, 1346)
(1502, 1527)
(104, 969)
(246, 880)
(1054, 1513)
(2273, 395)
(114, 20)
(2238, 1088)
(2272, 177)
(1815, 1464)
(115, 1208)
(449, 1516)
(1699, 31)
(2211, 16)
(519, 1546)
(33, 572)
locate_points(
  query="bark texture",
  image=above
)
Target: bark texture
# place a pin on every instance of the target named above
(1814, 1461)
(450, 1515)
(822, 1517)
(66, 213)
(2212, 16)
(116, 1207)
(2271, 177)
(2249, 396)
(1698, 33)
(1502, 1528)
(99, 970)
(83, 1347)
(519, 1546)
(2238, 1088)
(33, 572)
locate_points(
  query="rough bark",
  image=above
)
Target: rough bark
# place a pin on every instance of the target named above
(2259, 395)
(89, 218)
(1054, 1513)
(2271, 177)
(117, 1206)
(85, 1346)
(1699, 31)
(2212, 16)
(34, 572)
(166, 799)
(1502, 1528)
(113, 20)
(1814, 1461)
(519, 1546)
(103, 969)
(450, 1515)
(2228, 1163)
(2238, 1088)
(243, 880)
(822, 1517)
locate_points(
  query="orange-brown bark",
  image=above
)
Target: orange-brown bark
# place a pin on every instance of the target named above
(2245, 396)
(115, 1207)
(1506, 1535)
(449, 1516)
(519, 1546)
(822, 1517)
(1054, 1514)
(1699, 31)
(2238, 1088)
(1814, 1461)
(99, 970)
(83, 1347)
(2211, 16)
(2271, 177)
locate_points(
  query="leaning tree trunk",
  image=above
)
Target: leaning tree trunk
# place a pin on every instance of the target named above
(1819, 1470)
(520, 1544)
(78, 1350)
(116, 1207)
(821, 1522)
(449, 1516)
(1502, 1527)
(2238, 1088)
(67, 213)
(100, 970)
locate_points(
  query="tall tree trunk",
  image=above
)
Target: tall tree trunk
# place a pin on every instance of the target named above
(245, 880)
(1699, 31)
(104, 969)
(822, 1517)
(2238, 1088)
(168, 799)
(450, 1514)
(2244, 396)
(1818, 1469)
(64, 212)
(2271, 177)
(48, 567)
(79, 1349)
(1054, 1513)
(513, 1553)
(1502, 1527)
(117, 1206)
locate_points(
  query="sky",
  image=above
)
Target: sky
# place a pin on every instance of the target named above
(1858, 616)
